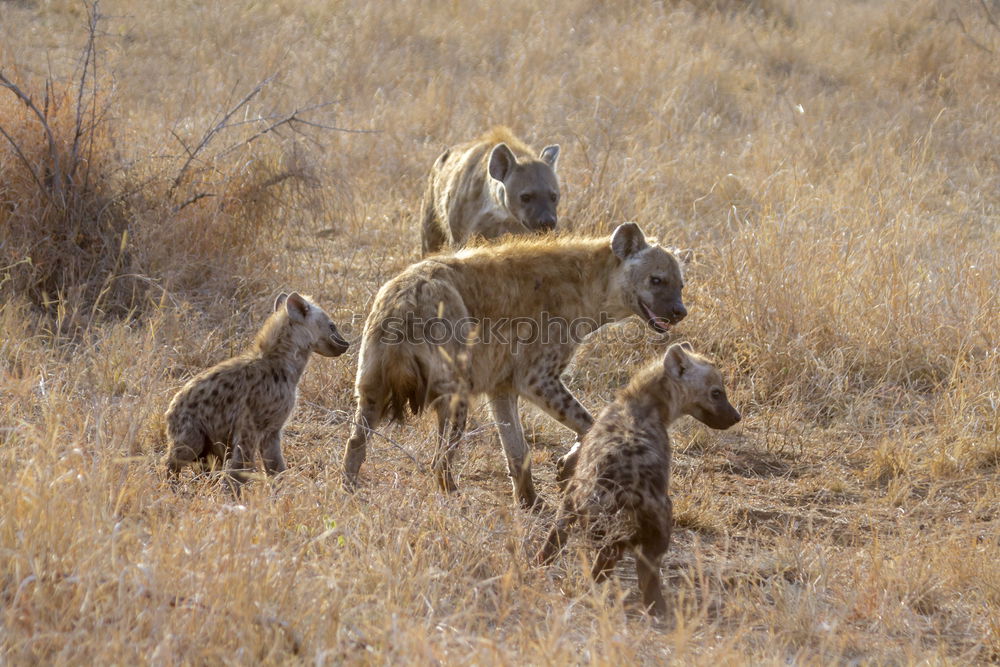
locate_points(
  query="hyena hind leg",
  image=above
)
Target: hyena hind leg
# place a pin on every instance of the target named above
(366, 418)
(239, 465)
(652, 541)
(453, 413)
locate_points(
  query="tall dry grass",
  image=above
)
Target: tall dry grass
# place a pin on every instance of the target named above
(833, 165)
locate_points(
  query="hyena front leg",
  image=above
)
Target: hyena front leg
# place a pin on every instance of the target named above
(186, 445)
(270, 451)
(566, 465)
(552, 396)
(556, 539)
(515, 447)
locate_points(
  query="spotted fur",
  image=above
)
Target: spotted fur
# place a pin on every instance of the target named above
(237, 408)
(619, 490)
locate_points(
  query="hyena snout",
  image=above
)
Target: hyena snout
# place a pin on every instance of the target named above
(540, 222)
(677, 312)
(546, 222)
(719, 414)
(333, 345)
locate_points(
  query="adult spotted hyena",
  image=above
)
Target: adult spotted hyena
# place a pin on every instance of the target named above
(619, 488)
(504, 321)
(487, 188)
(238, 407)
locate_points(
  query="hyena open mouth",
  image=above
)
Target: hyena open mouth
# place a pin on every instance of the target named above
(658, 323)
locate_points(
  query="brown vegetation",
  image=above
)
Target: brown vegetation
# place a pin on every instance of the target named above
(833, 165)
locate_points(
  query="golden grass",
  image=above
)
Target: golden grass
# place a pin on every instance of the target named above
(833, 165)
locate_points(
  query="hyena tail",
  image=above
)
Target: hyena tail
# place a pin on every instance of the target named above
(405, 381)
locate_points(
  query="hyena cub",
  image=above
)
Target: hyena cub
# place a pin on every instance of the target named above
(238, 407)
(619, 488)
(489, 187)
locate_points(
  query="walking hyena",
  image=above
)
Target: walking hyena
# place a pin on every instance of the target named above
(238, 407)
(503, 321)
(620, 486)
(489, 187)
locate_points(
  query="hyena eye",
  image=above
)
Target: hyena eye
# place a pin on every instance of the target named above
(554, 197)
(716, 394)
(655, 280)
(525, 197)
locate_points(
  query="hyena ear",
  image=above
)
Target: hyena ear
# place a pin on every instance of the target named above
(298, 308)
(279, 301)
(627, 240)
(676, 360)
(549, 155)
(502, 160)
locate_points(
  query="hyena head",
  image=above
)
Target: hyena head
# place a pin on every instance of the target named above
(704, 396)
(311, 325)
(528, 187)
(648, 280)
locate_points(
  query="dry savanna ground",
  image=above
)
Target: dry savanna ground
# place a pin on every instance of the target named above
(833, 165)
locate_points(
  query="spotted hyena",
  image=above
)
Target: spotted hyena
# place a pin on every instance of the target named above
(503, 321)
(237, 408)
(619, 490)
(489, 187)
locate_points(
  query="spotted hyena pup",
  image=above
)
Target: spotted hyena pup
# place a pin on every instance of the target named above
(619, 490)
(237, 408)
(502, 321)
(489, 187)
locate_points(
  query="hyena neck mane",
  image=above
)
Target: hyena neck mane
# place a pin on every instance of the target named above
(501, 134)
(563, 276)
(653, 390)
(283, 344)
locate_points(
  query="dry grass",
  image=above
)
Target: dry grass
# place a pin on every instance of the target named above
(834, 165)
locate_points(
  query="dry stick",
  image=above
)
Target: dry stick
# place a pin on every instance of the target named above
(989, 15)
(94, 19)
(288, 120)
(43, 119)
(88, 53)
(221, 125)
(335, 414)
(193, 199)
(348, 420)
(954, 17)
(31, 170)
